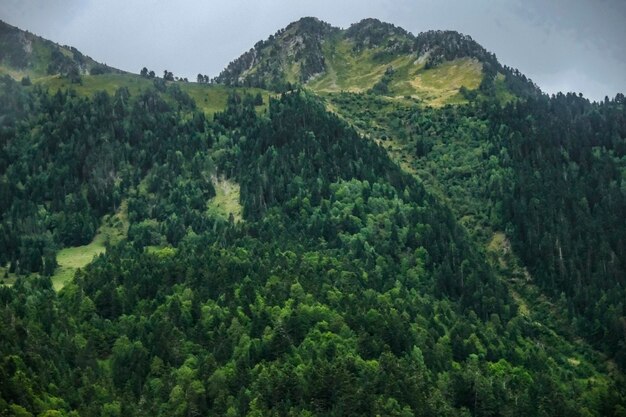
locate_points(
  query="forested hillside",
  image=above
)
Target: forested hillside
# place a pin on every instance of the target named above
(548, 172)
(440, 239)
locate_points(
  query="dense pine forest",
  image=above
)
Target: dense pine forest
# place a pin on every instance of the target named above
(383, 254)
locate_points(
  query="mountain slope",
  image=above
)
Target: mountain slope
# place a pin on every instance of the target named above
(292, 55)
(25, 54)
(279, 259)
(346, 289)
(546, 173)
(371, 55)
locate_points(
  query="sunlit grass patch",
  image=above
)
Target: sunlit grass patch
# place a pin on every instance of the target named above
(226, 200)
(114, 228)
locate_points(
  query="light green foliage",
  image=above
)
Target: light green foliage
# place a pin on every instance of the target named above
(226, 200)
(350, 71)
(71, 259)
(440, 85)
(7, 278)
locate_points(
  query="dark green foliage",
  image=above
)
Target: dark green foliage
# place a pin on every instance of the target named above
(347, 289)
(301, 42)
(94, 152)
(258, 99)
(11, 45)
(549, 172)
(447, 45)
(168, 75)
(100, 69)
(202, 79)
(382, 86)
(565, 202)
(372, 33)
(62, 64)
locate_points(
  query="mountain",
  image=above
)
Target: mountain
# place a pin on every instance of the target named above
(293, 54)
(51, 66)
(25, 54)
(371, 55)
(178, 249)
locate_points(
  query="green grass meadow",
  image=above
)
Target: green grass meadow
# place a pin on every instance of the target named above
(113, 229)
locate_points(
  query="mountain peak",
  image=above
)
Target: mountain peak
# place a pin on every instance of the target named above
(372, 33)
(373, 24)
(371, 55)
(308, 22)
(306, 27)
(292, 55)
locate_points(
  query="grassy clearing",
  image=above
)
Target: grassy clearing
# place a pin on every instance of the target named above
(16, 74)
(7, 278)
(213, 98)
(113, 229)
(347, 70)
(350, 71)
(292, 73)
(504, 259)
(522, 306)
(440, 85)
(499, 246)
(71, 259)
(343, 71)
(226, 200)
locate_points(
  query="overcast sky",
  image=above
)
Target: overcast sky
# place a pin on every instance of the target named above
(563, 45)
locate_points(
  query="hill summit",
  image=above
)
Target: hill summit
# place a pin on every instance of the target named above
(373, 56)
